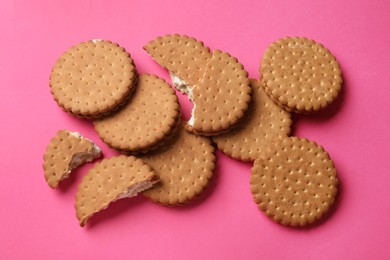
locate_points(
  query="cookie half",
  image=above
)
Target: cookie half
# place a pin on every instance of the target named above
(149, 117)
(109, 180)
(221, 97)
(263, 123)
(93, 78)
(300, 75)
(295, 183)
(65, 152)
(184, 57)
(185, 165)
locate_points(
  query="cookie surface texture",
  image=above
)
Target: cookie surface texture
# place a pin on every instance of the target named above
(151, 115)
(66, 151)
(300, 74)
(222, 97)
(184, 165)
(109, 180)
(263, 122)
(296, 183)
(93, 78)
(183, 56)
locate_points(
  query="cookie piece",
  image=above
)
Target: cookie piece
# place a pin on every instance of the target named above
(148, 118)
(295, 183)
(263, 123)
(109, 180)
(300, 75)
(65, 152)
(93, 78)
(184, 57)
(222, 96)
(185, 165)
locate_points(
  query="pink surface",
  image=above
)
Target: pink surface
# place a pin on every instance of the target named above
(39, 223)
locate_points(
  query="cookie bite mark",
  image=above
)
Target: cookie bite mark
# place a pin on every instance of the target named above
(110, 180)
(222, 96)
(67, 151)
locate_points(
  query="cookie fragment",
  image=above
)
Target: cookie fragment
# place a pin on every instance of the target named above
(65, 152)
(149, 117)
(93, 78)
(185, 165)
(295, 183)
(263, 123)
(300, 75)
(184, 57)
(109, 180)
(221, 97)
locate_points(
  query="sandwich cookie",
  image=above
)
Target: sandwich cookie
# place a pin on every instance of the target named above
(93, 78)
(262, 124)
(302, 76)
(109, 180)
(65, 152)
(295, 182)
(150, 116)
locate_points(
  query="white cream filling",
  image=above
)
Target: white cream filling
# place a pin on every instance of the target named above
(96, 40)
(81, 158)
(180, 84)
(133, 191)
(184, 88)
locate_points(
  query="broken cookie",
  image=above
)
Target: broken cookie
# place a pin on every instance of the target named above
(216, 83)
(110, 180)
(67, 151)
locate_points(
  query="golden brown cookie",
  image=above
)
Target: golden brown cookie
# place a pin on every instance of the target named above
(109, 180)
(221, 97)
(295, 183)
(263, 122)
(65, 152)
(300, 75)
(184, 57)
(185, 165)
(148, 118)
(93, 78)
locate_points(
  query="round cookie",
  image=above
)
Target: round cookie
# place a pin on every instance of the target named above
(295, 183)
(185, 165)
(263, 122)
(222, 96)
(300, 75)
(148, 118)
(93, 78)
(109, 180)
(183, 56)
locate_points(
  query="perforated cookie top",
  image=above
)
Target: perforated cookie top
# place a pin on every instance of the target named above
(295, 183)
(60, 152)
(221, 98)
(92, 78)
(107, 181)
(183, 56)
(300, 74)
(184, 165)
(263, 122)
(150, 115)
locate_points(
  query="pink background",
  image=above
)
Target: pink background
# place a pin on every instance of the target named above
(39, 223)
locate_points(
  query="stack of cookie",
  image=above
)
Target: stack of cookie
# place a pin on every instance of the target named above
(170, 161)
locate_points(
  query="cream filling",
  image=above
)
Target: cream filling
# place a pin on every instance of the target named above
(184, 88)
(81, 158)
(133, 191)
(96, 40)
